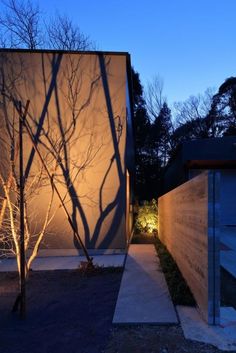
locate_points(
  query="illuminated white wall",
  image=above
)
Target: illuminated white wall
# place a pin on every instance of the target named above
(70, 99)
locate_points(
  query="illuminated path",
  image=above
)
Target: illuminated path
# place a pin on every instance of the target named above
(143, 295)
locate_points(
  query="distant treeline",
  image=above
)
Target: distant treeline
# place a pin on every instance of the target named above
(159, 132)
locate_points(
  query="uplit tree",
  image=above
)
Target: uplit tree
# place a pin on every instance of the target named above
(10, 188)
(22, 26)
(55, 138)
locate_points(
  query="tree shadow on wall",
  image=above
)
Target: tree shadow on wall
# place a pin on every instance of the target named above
(58, 130)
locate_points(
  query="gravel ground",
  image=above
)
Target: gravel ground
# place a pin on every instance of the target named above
(154, 339)
(68, 312)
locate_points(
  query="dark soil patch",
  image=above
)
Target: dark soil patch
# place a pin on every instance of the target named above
(154, 339)
(67, 312)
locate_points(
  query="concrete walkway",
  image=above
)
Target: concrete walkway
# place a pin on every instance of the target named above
(64, 262)
(143, 295)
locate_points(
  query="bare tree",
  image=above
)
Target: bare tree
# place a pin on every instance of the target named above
(35, 223)
(154, 97)
(64, 34)
(10, 194)
(20, 25)
(196, 118)
(57, 136)
(195, 107)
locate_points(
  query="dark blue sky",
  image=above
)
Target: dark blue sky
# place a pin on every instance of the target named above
(191, 44)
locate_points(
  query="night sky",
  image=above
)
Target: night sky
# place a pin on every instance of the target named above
(191, 44)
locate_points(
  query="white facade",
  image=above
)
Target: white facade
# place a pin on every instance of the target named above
(78, 114)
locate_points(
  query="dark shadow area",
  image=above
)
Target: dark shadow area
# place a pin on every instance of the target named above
(119, 201)
(228, 289)
(56, 61)
(66, 312)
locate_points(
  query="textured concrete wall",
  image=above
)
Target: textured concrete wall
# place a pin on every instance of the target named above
(189, 227)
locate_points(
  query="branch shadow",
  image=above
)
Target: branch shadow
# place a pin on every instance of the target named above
(59, 148)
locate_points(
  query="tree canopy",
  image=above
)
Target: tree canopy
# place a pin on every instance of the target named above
(22, 25)
(159, 132)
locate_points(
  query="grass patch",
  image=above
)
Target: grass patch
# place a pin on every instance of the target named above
(179, 290)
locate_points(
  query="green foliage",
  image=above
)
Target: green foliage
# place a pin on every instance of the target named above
(147, 218)
(179, 290)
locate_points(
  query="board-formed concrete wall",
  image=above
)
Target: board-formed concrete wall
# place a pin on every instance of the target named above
(189, 227)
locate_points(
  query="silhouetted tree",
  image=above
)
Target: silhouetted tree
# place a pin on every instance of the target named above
(142, 134)
(64, 34)
(196, 118)
(192, 113)
(153, 129)
(154, 97)
(224, 106)
(158, 139)
(22, 26)
(141, 120)
(162, 135)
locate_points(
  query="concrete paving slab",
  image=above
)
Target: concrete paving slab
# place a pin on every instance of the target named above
(144, 296)
(63, 262)
(223, 337)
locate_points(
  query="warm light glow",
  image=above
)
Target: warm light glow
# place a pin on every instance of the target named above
(147, 218)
